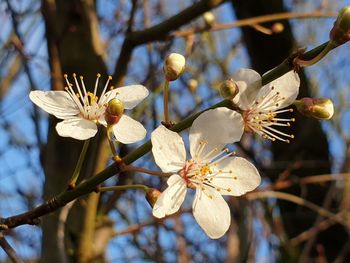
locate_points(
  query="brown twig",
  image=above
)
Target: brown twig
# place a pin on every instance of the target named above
(11, 253)
(297, 200)
(311, 232)
(314, 179)
(158, 32)
(20, 49)
(131, 168)
(254, 21)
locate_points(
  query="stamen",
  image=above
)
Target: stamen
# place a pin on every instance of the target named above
(105, 87)
(96, 83)
(202, 145)
(84, 89)
(78, 88)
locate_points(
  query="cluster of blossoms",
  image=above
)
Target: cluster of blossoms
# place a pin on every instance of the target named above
(212, 170)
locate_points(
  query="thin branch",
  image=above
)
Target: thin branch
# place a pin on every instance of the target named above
(158, 32)
(314, 179)
(11, 253)
(311, 232)
(297, 200)
(131, 168)
(255, 21)
(26, 69)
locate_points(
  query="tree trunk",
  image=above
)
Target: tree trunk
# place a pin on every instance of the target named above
(74, 47)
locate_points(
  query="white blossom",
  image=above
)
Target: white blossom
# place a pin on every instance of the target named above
(261, 105)
(82, 110)
(211, 171)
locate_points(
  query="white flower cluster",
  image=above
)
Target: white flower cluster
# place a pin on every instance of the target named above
(211, 170)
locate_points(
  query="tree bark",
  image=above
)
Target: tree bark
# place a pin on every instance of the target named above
(74, 47)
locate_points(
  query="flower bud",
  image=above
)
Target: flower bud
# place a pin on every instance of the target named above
(174, 66)
(228, 89)
(340, 32)
(277, 28)
(192, 85)
(152, 196)
(209, 19)
(319, 108)
(114, 111)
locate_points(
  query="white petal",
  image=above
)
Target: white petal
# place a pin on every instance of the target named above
(171, 199)
(76, 128)
(127, 130)
(211, 212)
(244, 177)
(249, 84)
(218, 127)
(168, 149)
(129, 95)
(287, 85)
(57, 103)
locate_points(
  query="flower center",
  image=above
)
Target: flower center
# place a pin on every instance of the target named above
(263, 115)
(203, 169)
(90, 105)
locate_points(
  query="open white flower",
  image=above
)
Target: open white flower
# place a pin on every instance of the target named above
(81, 110)
(260, 105)
(211, 171)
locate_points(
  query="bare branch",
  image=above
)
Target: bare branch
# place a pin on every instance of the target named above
(9, 250)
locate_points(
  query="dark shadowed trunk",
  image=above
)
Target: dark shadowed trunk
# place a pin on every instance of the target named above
(74, 47)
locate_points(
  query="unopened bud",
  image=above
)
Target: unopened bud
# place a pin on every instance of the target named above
(209, 19)
(277, 28)
(174, 65)
(340, 32)
(228, 89)
(114, 111)
(192, 85)
(152, 196)
(319, 108)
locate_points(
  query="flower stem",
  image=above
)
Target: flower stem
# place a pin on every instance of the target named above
(144, 170)
(75, 175)
(111, 142)
(166, 100)
(314, 60)
(124, 187)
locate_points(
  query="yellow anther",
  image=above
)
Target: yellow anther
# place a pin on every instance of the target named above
(98, 75)
(81, 77)
(228, 190)
(293, 119)
(74, 75)
(292, 136)
(65, 76)
(287, 141)
(109, 77)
